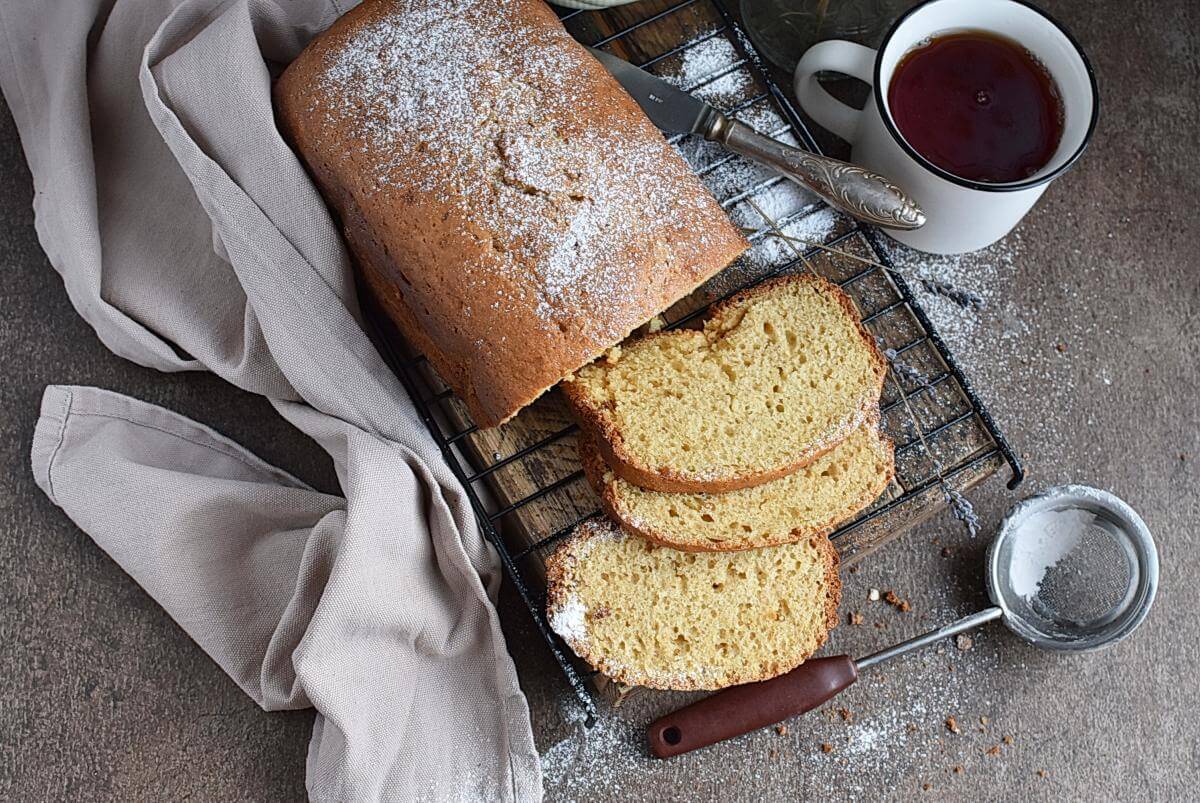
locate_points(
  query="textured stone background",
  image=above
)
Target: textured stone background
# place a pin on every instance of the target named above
(103, 697)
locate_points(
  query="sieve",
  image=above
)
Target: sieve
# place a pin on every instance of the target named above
(1071, 569)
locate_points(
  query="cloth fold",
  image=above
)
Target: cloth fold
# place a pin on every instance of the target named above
(190, 237)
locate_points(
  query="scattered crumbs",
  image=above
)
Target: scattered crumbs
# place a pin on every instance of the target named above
(772, 754)
(781, 730)
(880, 625)
(984, 720)
(912, 727)
(964, 642)
(856, 618)
(1007, 739)
(896, 602)
(854, 569)
(873, 595)
(952, 725)
(846, 714)
(1042, 773)
(994, 750)
(1061, 348)
(958, 769)
(926, 786)
(949, 667)
(826, 747)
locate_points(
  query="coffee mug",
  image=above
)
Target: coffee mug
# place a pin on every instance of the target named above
(963, 215)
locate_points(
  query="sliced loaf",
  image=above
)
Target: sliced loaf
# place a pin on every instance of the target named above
(652, 616)
(780, 374)
(811, 501)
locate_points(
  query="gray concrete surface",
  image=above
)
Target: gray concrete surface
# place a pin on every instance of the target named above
(1086, 354)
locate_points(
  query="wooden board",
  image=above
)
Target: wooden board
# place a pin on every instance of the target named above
(527, 473)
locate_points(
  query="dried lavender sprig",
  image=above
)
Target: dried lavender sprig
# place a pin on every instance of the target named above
(963, 298)
(962, 508)
(905, 370)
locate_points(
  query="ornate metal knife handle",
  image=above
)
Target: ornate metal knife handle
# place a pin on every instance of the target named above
(866, 195)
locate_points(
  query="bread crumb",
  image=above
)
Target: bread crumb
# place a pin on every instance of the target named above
(952, 725)
(781, 730)
(894, 600)
(994, 750)
(964, 642)
(846, 714)
(880, 625)
(1042, 773)
(873, 595)
(856, 618)
(1061, 348)
(926, 786)
(958, 769)
(772, 754)
(1007, 739)
(826, 747)
(854, 569)
(984, 720)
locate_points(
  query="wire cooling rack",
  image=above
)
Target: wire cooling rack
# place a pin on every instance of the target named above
(524, 479)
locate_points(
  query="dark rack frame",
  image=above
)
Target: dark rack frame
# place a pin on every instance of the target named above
(409, 367)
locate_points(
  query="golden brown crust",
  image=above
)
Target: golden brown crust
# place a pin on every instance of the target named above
(594, 421)
(595, 468)
(474, 303)
(560, 579)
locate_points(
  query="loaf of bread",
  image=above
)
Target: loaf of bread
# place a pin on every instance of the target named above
(780, 374)
(507, 204)
(811, 501)
(652, 616)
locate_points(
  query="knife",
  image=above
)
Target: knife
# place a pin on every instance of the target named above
(859, 192)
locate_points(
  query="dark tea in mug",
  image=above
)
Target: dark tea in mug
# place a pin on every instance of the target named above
(977, 105)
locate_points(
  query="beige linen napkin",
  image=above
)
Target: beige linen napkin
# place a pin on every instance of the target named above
(190, 238)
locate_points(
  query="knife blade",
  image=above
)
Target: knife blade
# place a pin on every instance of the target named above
(853, 189)
(668, 107)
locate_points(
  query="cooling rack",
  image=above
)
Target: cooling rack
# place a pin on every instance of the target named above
(524, 479)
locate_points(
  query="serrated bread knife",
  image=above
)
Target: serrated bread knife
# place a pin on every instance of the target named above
(861, 193)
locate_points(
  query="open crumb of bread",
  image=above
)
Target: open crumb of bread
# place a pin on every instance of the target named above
(653, 616)
(780, 375)
(811, 501)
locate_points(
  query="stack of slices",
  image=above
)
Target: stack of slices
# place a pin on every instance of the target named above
(723, 458)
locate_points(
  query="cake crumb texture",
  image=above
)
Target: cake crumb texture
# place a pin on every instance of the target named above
(686, 620)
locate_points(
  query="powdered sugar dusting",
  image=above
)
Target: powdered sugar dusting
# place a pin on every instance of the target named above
(437, 109)
(569, 620)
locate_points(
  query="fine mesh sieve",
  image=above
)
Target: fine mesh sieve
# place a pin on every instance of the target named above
(1071, 569)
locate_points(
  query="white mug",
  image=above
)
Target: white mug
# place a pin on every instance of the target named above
(963, 215)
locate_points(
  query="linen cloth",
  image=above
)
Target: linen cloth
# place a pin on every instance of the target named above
(190, 238)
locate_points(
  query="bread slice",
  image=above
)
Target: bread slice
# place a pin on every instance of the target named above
(653, 616)
(811, 501)
(780, 374)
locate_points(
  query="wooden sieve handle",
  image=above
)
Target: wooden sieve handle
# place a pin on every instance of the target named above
(741, 709)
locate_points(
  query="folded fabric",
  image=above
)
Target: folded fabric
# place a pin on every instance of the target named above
(190, 238)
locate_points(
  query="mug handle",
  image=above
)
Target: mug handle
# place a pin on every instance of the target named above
(836, 55)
